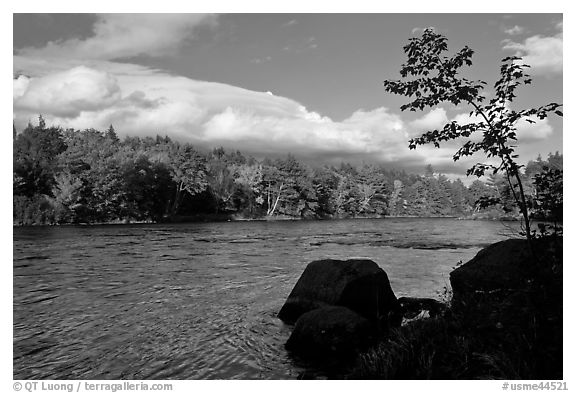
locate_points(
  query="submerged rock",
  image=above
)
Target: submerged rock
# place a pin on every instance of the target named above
(358, 284)
(330, 331)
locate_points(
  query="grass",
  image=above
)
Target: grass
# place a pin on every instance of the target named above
(436, 349)
(447, 348)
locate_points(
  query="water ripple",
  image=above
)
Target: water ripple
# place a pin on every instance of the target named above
(199, 301)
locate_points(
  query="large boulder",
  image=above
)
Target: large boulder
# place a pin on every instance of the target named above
(502, 266)
(359, 284)
(330, 331)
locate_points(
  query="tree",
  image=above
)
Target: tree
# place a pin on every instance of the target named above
(147, 187)
(458, 197)
(274, 183)
(111, 134)
(445, 193)
(548, 201)
(433, 79)
(534, 167)
(325, 183)
(248, 179)
(188, 170)
(107, 194)
(220, 180)
(35, 156)
(67, 196)
(476, 191)
(396, 204)
(299, 197)
(429, 171)
(372, 189)
(502, 193)
(87, 149)
(537, 167)
(555, 160)
(345, 195)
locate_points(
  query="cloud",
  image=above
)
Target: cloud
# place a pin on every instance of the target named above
(302, 46)
(66, 94)
(291, 22)
(260, 60)
(127, 35)
(20, 85)
(376, 135)
(560, 25)
(420, 30)
(128, 90)
(312, 43)
(516, 30)
(142, 101)
(543, 54)
(530, 132)
(432, 120)
(78, 91)
(146, 102)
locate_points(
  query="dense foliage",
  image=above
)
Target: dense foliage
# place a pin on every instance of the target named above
(71, 176)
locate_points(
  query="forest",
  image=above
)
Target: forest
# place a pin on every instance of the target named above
(88, 176)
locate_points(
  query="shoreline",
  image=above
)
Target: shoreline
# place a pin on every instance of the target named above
(506, 309)
(223, 218)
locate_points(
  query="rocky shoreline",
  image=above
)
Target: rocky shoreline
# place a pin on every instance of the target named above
(504, 319)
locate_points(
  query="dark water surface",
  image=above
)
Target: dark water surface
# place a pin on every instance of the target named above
(199, 301)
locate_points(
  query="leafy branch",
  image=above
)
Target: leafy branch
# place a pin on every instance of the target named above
(432, 78)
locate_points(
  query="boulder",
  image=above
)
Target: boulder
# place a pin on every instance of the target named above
(359, 284)
(330, 331)
(500, 267)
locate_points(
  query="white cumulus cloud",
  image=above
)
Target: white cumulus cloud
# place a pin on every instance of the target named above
(141, 101)
(543, 54)
(66, 94)
(515, 30)
(434, 119)
(529, 132)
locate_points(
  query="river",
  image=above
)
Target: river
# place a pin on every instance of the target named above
(199, 301)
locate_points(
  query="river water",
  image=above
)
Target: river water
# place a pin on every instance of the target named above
(199, 301)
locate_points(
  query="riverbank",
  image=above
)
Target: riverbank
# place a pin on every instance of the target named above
(504, 321)
(207, 218)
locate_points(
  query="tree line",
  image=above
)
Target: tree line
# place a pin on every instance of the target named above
(72, 176)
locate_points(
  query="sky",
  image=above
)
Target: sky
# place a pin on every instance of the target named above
(273, 84)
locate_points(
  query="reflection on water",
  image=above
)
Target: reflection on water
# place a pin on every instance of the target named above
(199, 301)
